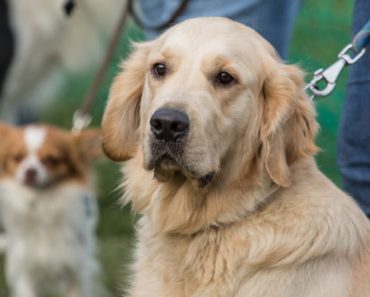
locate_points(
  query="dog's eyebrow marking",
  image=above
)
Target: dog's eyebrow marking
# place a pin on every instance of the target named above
(34, 138)
(169, 53)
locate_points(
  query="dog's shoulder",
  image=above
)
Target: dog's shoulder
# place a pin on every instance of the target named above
(310, 219)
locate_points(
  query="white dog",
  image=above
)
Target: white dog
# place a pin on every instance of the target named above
(48, 42)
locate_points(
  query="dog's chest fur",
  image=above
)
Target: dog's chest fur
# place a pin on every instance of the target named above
(207, 262)
(275, 251)
(218, 263)
(48, 233)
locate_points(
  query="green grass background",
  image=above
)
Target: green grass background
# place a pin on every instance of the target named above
(322, 29)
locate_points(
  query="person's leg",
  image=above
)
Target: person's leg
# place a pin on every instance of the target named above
(354, 133)
(275, 22)
(272, 18)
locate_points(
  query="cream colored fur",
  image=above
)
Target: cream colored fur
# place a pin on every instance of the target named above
(48, 43)
(269, 224)
(50, 243)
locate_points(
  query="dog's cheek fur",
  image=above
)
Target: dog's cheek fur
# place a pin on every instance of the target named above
(212, 135)
(138, 184)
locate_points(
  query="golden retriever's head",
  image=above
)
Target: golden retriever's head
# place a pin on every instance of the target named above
(210, 95)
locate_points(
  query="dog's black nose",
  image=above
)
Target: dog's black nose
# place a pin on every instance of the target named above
(169, 124)
(30, 174)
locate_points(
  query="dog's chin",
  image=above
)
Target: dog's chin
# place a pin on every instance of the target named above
(39, 185)
(167, 169)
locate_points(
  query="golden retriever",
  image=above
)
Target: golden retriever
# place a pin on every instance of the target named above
(218, 136)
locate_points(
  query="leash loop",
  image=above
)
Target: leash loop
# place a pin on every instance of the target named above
(350, 54)
(80, 121)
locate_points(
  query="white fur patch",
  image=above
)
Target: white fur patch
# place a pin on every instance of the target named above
(65, 245)
(34, 137)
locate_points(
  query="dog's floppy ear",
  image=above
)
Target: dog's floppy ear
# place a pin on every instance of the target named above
(4, 130)
(121, 117)
(288, 122)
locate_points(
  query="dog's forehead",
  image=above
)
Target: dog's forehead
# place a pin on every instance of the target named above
(38, 139)
(34, 137)
(201, 34)
(210, 26)
(212, 36)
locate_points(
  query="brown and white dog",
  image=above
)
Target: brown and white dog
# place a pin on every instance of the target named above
(218, 136)
(49, 210)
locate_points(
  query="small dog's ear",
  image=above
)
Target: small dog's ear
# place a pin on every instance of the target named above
(121, 118)
(4, 131)
(288, 122)
(5, 128)
(89, 144)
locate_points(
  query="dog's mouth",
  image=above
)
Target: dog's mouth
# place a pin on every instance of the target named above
(39, 186)
(170, 163)
(165, 167)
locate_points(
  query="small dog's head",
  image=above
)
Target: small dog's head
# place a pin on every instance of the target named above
(208, 92)
(43, 156)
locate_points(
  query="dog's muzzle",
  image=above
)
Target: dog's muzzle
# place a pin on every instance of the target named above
(169, 130)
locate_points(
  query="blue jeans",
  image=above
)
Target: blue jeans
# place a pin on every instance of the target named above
(354, 133)
(273, 19)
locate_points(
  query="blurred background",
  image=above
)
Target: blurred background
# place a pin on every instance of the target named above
(322, 30)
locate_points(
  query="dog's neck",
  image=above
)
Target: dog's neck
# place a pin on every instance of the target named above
(179, 207)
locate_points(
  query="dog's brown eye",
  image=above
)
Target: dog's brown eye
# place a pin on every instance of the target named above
(159, 69)
(51, 161)
(18, 157)
(224, 78)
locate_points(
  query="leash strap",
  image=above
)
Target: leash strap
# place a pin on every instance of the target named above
(324, 80)
(82, 117)
(362, 39)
